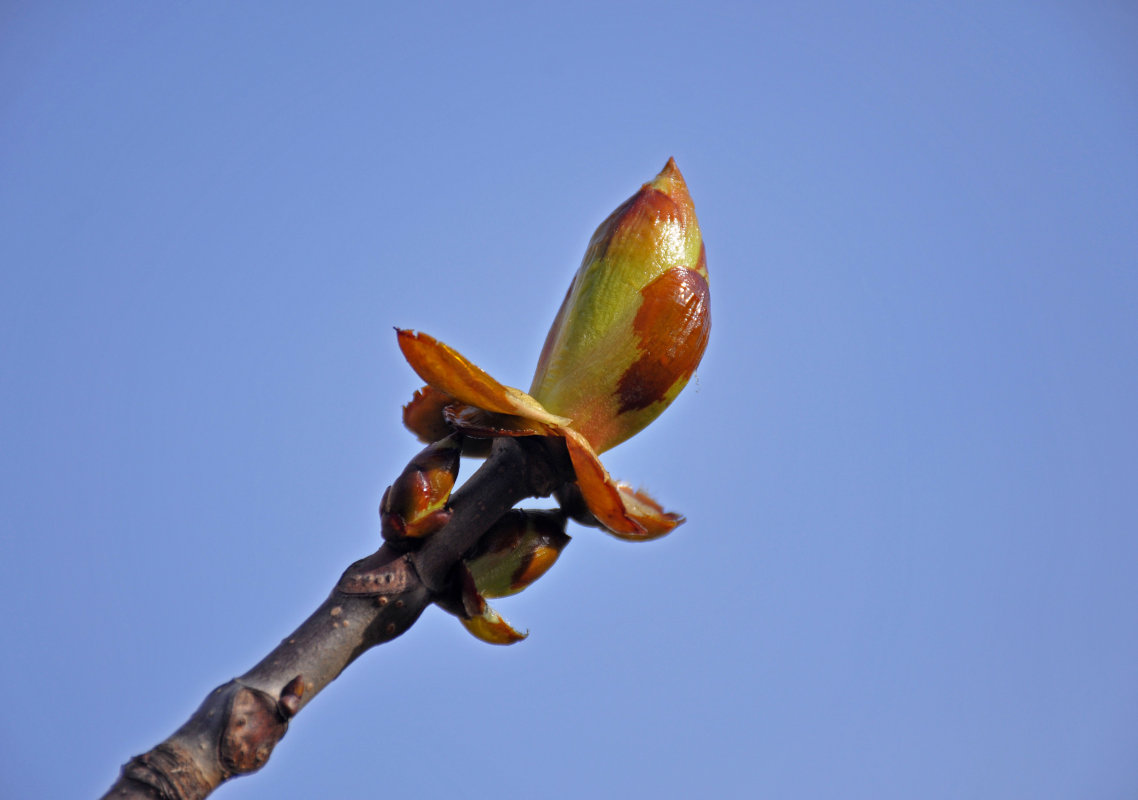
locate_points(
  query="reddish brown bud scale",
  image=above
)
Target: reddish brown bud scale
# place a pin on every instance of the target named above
(423, 416)
(479, 619)
(536, 563)
(679, 302)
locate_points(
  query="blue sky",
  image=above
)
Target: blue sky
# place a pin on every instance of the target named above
(908, 461)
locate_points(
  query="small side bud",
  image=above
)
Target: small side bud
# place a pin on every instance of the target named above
(415, 505)
(516, 551)
(289, 702)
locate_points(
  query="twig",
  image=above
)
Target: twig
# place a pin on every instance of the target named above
(234, 730)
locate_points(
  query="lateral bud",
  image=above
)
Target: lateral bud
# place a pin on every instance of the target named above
(516, 551)
(415, 505)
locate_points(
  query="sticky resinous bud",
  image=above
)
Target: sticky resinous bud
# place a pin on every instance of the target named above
(636, 320)
(415, 505)
(628, 337)
(516, 551)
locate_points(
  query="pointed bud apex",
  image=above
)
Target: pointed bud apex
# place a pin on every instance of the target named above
(516, 551)
(415, 505)
(635, 323)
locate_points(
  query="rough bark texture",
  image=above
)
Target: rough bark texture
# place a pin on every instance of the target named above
(239, 723)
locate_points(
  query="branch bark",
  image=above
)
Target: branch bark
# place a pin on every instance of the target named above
(234, 730)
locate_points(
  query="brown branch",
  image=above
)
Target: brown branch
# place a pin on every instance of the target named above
(234, 730)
